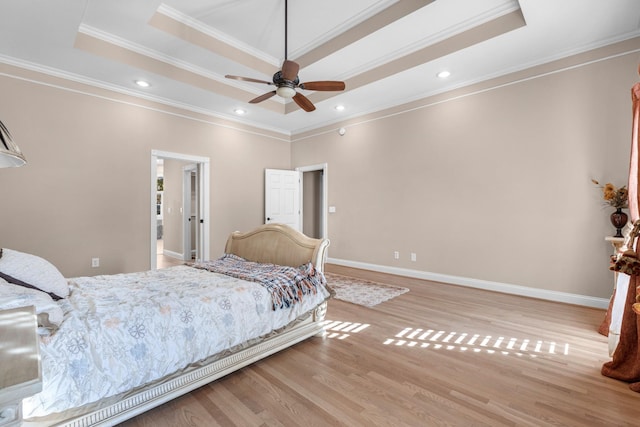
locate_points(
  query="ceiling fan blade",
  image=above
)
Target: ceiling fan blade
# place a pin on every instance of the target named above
(322, 85)
(248, 79)
(262, 97)
(303, 102)
(290, 70)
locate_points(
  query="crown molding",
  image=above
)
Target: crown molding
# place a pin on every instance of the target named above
(339, 29)
(213, 33)
(154, 54)
(507, 7)
(56, 73)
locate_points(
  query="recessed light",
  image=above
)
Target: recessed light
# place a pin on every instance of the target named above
(143, 83)
(444, 74)
(240, 111)
(340, 107)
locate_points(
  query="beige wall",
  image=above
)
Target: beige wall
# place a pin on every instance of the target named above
(493, 186)
(491, 182)
(85, 191)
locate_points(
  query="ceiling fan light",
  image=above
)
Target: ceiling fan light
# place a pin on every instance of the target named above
(286, 91)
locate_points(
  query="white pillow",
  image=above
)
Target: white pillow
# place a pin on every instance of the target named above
(33, 270)
(49, 313)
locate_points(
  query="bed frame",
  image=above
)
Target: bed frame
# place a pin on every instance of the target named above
(272, 243)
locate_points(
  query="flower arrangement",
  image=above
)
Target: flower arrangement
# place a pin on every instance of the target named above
(612, 196)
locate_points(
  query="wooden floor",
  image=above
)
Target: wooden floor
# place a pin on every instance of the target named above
(438, 355)
(164, 261)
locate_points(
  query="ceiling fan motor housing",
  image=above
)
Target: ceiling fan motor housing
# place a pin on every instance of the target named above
(286, 88)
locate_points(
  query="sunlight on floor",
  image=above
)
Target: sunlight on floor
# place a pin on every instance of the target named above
(475, 343)
(341, 330)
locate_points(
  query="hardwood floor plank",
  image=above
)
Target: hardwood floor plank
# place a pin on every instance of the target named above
(183, 411)
(312, 386)
(224, 407)
(313, 391)
(439, 355)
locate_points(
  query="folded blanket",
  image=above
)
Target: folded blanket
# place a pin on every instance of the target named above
(287, 285)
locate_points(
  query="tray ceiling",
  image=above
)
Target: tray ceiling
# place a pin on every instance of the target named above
(387, 52)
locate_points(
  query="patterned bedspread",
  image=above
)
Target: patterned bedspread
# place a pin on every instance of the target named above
(123, 331)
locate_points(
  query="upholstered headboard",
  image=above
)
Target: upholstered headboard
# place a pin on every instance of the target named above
(278, 244)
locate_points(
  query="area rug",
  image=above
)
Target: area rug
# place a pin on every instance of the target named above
(362, 292)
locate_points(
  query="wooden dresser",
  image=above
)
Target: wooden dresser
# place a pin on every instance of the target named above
(20, 372)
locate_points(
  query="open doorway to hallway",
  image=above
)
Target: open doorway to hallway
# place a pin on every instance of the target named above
(170, 214)
(314, 198)
(180, 211)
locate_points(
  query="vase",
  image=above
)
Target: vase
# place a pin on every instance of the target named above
(619, 220)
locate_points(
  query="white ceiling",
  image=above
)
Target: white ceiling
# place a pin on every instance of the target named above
(387, 51)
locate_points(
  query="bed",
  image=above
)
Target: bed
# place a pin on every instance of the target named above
(125, 343)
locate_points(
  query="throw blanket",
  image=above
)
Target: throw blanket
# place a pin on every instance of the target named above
(287, 285)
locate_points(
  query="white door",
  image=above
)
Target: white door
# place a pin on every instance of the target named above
(282, 197)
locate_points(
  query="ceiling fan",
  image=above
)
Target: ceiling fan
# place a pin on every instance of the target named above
(286, 80)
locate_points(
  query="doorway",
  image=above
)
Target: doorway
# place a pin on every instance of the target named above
(315, 200)
(190, 194)
(312, 203)
(175, 198)
(301, 193)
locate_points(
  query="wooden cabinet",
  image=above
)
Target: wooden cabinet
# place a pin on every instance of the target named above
(20, 371)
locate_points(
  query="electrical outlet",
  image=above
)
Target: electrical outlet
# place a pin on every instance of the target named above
(396, 255)
(413, 256)
(95, 262)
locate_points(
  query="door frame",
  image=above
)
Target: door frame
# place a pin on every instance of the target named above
(204, 200)
(187, 188)
(324, 167)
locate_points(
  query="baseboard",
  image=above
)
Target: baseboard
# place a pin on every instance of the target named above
(506, 288)
(172, 254)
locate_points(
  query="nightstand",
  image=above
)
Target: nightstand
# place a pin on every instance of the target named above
(20, 371)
